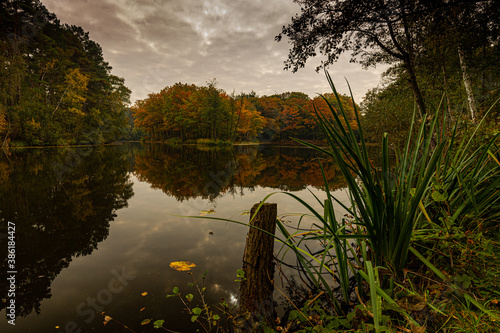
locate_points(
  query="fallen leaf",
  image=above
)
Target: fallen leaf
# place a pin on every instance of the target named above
(412, 302)
(416, 329)
(57, 326)
(144, 293)
(205, 212)
(106, 319)
(142, 309)
(145, 321)
(182, 266)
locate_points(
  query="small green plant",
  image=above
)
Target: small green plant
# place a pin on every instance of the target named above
(207, 316)
(240, 274)
(202, 315)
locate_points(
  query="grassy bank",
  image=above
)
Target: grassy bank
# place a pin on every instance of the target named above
(419, 250)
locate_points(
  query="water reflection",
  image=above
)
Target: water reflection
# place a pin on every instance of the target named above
(189, 172)
(58, 215)
(65, 203)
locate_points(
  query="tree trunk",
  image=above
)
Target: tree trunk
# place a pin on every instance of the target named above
(414, 86)
(467, 84)
(256, 289)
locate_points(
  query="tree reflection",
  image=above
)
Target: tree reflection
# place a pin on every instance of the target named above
(186, 172)
(58, 215)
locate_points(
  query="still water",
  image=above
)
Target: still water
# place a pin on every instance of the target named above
(96, 228)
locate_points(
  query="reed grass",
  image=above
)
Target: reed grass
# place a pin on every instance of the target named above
(383, 200)
(434, 183)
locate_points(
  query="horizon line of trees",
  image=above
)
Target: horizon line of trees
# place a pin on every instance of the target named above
(188, 112)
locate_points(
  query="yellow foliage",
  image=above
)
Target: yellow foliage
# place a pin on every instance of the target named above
(75, 88)
(34, 125)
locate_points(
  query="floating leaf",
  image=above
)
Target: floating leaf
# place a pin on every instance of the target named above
(142, 309)
(106, 319)
(206, 212)
(146, 321)
(182, 266)
(57, 326)
(158, 323)
(144, 293)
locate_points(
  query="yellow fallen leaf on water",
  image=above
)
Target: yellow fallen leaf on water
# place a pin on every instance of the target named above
(57, 326)
(145, 321)
(144, 293)
(205, 212)
(106, 319)
(182, 266)
(142, 309)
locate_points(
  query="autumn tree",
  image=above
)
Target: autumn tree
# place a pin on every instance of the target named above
(250, 122)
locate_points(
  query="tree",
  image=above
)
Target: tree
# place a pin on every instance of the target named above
(55, 87)
(376, 31)
(473, 28)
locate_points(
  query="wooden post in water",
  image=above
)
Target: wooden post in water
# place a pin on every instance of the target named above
(256, 289)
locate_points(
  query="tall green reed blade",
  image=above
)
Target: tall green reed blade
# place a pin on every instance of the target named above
(470, 178)
(385, 201)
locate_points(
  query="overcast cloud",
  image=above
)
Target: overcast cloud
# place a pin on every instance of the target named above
(156, 43)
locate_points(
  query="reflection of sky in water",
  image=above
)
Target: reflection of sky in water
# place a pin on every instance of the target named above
(143, 239)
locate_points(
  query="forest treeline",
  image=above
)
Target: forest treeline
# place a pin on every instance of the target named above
(187, 112)
(56, 87)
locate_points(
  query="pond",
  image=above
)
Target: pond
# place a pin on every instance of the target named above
(97, 227)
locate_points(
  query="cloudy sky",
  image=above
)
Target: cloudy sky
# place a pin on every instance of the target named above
(156, 43)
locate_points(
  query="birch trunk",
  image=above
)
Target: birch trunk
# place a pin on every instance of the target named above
(468, 85)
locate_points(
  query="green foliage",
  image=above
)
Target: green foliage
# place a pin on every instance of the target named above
(56, 87)
(240, 274)
(158, 323)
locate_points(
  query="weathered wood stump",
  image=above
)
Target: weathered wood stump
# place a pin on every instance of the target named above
(256, 289)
